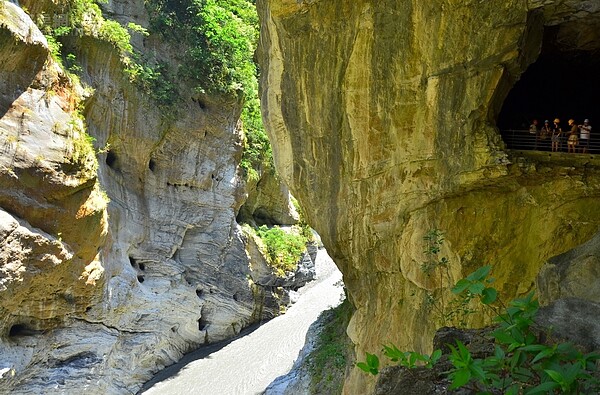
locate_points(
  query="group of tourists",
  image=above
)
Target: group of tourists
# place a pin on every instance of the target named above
(575, 135)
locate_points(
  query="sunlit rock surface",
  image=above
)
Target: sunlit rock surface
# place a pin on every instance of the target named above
(382, 115)
(96, 296)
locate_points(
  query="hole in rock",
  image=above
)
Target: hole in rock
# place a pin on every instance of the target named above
(236, 297)
(202, 324)
(132, 261)
(142, 266)
(111, 159)
(151, 165)
(199, 292)
(20, 330)
(562, 83)
(140, 278)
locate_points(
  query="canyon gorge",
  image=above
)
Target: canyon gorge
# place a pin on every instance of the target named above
(121, 202)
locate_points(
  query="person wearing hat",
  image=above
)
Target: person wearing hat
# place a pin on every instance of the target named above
(585, 134)
(556, 135)
(572, 139)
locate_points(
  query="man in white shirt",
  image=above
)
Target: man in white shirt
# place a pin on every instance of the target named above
(585, 132)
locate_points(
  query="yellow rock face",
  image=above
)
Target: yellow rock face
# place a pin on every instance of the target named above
(53, 217)
(381, 115)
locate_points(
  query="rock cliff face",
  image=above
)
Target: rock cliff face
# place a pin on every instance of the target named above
(382, 116)
(97, 296)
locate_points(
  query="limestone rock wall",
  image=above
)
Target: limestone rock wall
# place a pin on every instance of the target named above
(97, 296)
(53, 215)
(382, 114)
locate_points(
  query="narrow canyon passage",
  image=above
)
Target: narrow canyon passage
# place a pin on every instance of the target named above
(249, 364)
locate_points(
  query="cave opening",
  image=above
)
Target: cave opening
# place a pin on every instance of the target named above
(562, 83)
(19, 330)
(111, 159)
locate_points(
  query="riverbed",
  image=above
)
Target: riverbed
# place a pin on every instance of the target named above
(248, 364)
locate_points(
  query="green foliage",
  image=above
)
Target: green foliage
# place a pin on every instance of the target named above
(220, 38)
(55, 47)
(283, 249)
(257, 148)
(371, 365)
(153, 79)
(411, 359)
(521, 364)
(305, 229)
(333, 350)
(83, 155)
(449, 311)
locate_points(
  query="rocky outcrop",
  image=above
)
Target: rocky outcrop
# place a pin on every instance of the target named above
(569, 294)
(97, 296)
(263, 274)
(53, 215)
(269, 202)
(382, 117)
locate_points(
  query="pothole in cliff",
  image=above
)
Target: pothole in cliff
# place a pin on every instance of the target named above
(112, 160)
(563, 83)
(202, 324)
(21, 330)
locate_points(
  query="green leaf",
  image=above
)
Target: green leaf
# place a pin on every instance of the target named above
(437, 354)
(372, 360)
(503, 337)
(460, 286)
(534, 347)
(412, 358)
(363, 366)
(393, 353)
(480, 274)
(464, 351)
(477, 371)
(554, 375)
(543, 354)
(499, 352)
(543, 388)
(489, 295)
(476, 288)
(460, 378)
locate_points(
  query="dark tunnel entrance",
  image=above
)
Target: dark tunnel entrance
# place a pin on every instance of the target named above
(563, 83)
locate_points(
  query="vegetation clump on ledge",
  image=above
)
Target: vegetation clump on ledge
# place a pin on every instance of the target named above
(283, 249)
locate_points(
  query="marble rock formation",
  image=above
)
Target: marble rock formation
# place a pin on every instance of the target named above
(382, 117)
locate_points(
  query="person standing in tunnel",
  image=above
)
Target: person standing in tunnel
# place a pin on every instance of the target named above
(572, 139)
(585, 135)
(545, 133)
(534, 131)
(556, 135)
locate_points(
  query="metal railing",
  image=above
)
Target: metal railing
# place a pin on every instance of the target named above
(516, 139)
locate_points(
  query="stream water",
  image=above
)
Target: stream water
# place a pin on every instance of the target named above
(249, 363)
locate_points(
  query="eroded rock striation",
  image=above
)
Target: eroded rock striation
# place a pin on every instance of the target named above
(97, 296)
(382, 116)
